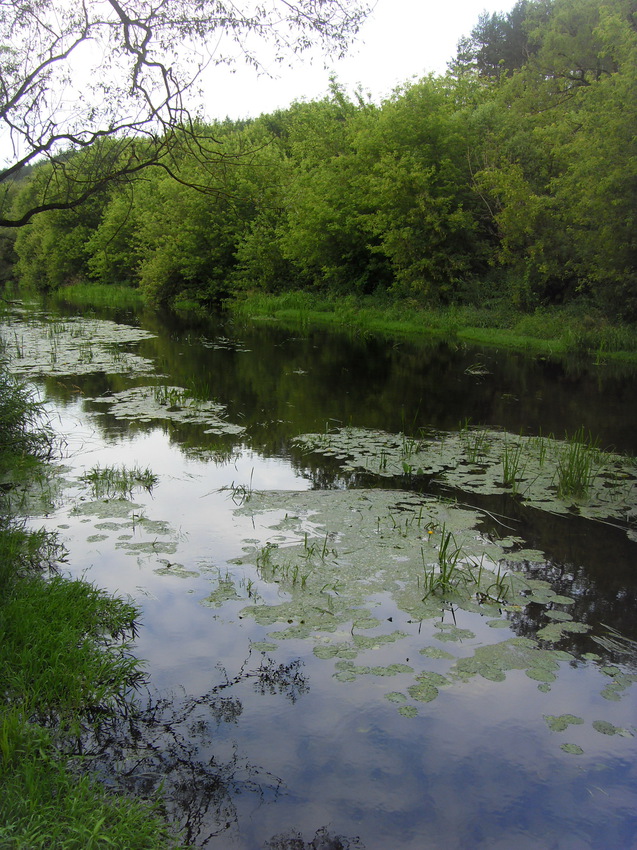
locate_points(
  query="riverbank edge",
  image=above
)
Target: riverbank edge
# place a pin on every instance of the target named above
(52, 667)
(578, 329)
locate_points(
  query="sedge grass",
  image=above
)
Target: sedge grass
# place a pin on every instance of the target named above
(447, 577)
(110, 295)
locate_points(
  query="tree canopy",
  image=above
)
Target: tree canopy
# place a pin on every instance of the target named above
(73, 74)
(513, 176)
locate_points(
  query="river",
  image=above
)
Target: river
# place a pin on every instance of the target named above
(359, 629)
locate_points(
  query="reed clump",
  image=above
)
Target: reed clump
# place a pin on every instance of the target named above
(577, 465)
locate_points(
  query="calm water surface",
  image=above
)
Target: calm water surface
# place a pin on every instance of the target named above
(260, 746)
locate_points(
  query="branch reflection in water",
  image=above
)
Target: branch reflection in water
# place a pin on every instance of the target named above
(166, 747)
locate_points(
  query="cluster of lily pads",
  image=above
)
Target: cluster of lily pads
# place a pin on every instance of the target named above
(38, 343)
(338, 556)
(168, 404)
(562, 476)
(44, 345)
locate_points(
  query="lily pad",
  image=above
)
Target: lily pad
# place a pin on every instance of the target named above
(573, 749)
(558, 723)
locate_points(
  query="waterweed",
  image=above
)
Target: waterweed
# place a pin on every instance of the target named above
(118, 482)
(448, 575)
(512, 464)
(577, 465)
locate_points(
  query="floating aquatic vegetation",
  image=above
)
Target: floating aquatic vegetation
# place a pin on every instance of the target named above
(561, 476)
(222, 343)
(558, 723)
(172, 569)
(72, 346)
(621, 681)
(573, 749)
(168, 403)
(107, 509)
(427, 687)
(606, 728)
(337, 556)
(225, 591)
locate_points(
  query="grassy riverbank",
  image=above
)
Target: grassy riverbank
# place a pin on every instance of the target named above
(66, 666)
(576, 329)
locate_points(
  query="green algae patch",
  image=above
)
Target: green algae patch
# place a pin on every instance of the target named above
(226, 591)
(427, 686)
(554, 614)
(335, 555)
(556, 631)
(176, 570)
(107, 509)
(562, 476)
(339, 558)
(435, 652)
(343, 650)
(348, 671)
(362, 642)
(621, 681)
(494, 661)
(397, 697)
(167, 404)
(335, 550)
(450, 632)
(264, 646)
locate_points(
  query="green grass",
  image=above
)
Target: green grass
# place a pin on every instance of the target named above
(24, 433)
(448, 576)
(577, 329)
(66, 665)
(45, 804)
(100, 295)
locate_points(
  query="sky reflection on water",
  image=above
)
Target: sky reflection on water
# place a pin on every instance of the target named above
(478, 767)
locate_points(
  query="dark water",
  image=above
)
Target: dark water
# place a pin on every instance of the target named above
(263, 748)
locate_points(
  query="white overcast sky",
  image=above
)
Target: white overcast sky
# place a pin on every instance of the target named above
(402, 39)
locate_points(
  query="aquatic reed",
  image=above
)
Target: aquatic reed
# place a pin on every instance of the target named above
(577, 465)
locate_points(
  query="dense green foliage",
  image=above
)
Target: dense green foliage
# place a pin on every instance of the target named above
(513, 177)
(65, 666)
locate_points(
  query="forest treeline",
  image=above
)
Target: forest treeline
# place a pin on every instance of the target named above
(511, 177)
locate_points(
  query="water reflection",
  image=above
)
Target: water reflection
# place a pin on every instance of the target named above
(170, 747)
(280, 753)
